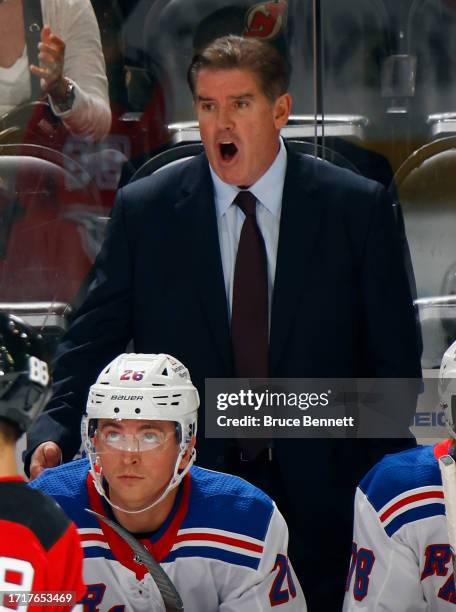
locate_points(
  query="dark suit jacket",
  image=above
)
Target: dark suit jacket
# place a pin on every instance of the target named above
(341, 306)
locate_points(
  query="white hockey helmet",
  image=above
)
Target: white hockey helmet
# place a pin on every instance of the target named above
(447, 387)
(143, 387)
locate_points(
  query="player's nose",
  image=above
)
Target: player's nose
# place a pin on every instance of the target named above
(130, 457)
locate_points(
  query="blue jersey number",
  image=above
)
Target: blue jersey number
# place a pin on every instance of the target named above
(280, 592)
(361, 564)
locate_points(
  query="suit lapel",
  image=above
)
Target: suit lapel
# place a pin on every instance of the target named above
(299, 226)
(197, 218)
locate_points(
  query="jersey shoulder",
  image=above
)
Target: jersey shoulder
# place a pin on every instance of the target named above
(67, 485)
(227, 520)
(38, 513)
(229, 502)
(405, 487)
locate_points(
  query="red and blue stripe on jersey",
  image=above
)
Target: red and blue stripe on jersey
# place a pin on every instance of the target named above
(406, 487)
(215, 516)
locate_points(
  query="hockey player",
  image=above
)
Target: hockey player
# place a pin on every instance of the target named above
(221, 541)
(401, 560)
(40, 552)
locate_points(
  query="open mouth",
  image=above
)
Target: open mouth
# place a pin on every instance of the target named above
(228, 150)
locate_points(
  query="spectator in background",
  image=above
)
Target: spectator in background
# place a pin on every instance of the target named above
(68, 62)
(39, 546)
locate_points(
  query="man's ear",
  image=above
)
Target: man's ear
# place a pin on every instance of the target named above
(282, 110)
(185, 459)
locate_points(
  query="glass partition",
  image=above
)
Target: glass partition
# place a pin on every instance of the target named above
(374, 89)
(51, 228)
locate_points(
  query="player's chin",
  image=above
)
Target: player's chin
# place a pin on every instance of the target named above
(136, 505)
(134, 496)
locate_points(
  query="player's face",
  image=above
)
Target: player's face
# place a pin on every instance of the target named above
(137, 459)
(239, 126)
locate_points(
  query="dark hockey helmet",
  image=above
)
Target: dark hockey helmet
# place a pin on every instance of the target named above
(25, 383)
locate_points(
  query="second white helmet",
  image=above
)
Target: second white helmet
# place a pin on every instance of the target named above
(447, 387)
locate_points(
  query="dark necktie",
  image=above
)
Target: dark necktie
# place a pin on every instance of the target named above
(249, 317)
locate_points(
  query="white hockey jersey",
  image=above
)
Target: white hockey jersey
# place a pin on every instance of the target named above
(224, 546)
(401, 559)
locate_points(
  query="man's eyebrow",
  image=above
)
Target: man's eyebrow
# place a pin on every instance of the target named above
(241, 96)
(151, 425)
(113, 424)
(203, 99)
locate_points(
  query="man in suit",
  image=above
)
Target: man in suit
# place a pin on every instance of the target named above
(333, 300)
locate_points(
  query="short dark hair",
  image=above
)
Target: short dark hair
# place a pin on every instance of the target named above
(9, 430)
(236, 52)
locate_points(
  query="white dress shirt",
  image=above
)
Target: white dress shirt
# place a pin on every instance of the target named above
(268, 191)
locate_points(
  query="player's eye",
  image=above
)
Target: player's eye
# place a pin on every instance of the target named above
(152, 437)
(112, 437)
(241, 104)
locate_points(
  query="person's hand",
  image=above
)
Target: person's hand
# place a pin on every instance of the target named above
(50, 71)
(46, 455)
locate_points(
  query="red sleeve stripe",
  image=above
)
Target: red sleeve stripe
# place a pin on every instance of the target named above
(92, 536)
(211, 537)
(410, 499)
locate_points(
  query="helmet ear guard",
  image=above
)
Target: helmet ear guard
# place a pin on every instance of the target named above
(143, 387)
(447, 388)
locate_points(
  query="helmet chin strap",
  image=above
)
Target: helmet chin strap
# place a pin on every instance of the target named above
(173, 483)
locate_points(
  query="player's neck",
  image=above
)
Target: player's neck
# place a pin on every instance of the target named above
(8, 463)
(149, 520)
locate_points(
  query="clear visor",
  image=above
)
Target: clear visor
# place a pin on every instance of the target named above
(108, 440)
